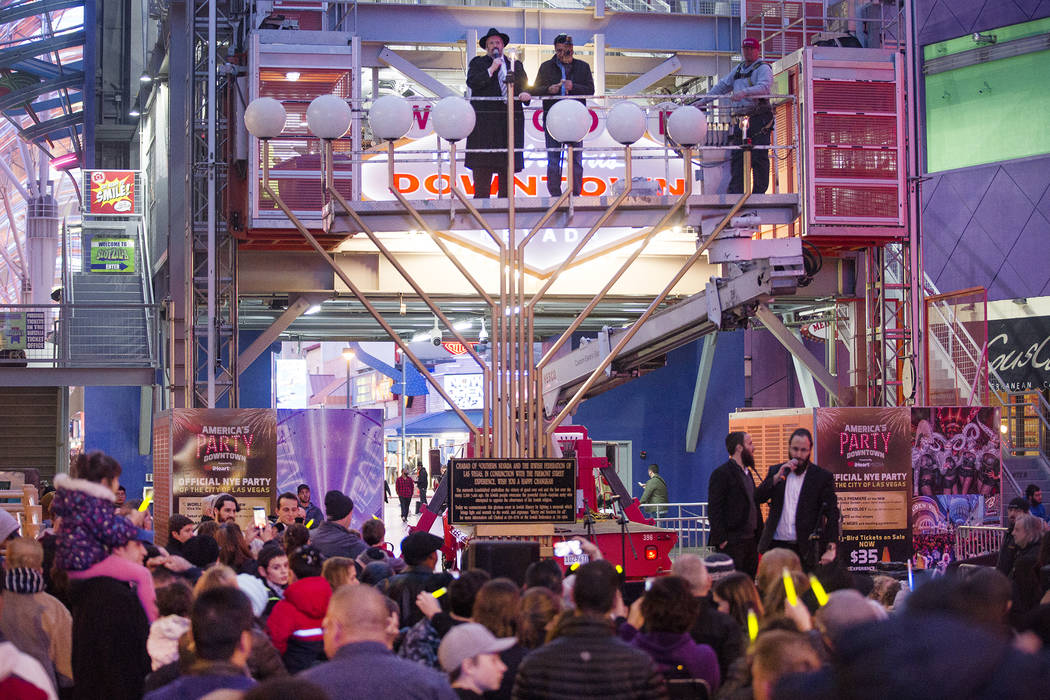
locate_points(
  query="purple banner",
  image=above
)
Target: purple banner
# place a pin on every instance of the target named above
(340, 449)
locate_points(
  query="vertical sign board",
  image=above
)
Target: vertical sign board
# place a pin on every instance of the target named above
(112, 254)
(512, 490)
(230, 451)
(22, 330)
(868, 450)
(957, 472)
(112, 192)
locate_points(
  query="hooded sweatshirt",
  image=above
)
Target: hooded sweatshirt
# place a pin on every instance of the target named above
(163, 642)
(672, 651)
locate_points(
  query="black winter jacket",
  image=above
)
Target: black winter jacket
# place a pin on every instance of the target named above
(587, 660)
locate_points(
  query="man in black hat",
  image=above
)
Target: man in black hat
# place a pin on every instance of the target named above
(420, 552)
(334, 538)
(490, 75)
(563, 75)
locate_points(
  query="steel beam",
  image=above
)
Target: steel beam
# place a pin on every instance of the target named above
(653, 75)
(703, 381)
(424, 80)
(798, 351)
(805, 380)
(295, 309)
(87, 376)
(635, 212)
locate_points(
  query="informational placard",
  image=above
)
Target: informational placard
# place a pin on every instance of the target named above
(112, 254)
(111, 192)
(224, 451)
(513, 490)
(868, 449)
(22, 330)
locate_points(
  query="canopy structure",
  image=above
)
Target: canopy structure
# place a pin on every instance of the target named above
(434, 424)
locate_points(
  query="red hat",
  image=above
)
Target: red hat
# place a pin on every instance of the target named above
(750, 43)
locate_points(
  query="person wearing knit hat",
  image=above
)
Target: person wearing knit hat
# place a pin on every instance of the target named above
(8, 527)
(718, 565)
(334, 537)
(469, 653)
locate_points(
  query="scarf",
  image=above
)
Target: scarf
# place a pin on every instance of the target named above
(23, 580)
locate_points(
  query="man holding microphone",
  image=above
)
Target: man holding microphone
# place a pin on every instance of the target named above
(490, 75)
(803, 509)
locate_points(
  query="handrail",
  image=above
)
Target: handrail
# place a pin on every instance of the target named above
(288, 166)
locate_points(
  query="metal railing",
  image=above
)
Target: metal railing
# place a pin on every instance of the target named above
(423, 172)
(977, 540)
(710, 8)
(689, 520)
(79, 335)
(1026, 414)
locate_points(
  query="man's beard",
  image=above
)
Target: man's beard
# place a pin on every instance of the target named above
(748, 458)
(802, 464)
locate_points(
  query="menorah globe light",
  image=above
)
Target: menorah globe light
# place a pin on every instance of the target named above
(454, 118)
(568, 121)
(625, 123)
(264, 118)
(328, 116)
(390, 117)
(687, 126)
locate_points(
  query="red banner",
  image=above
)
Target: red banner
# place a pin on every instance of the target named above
(111, 192)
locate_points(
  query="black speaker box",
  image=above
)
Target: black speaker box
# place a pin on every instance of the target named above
(506, 558)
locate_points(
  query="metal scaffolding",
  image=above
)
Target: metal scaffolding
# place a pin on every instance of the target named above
(213, 303)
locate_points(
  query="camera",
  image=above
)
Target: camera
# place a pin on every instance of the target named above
(435, 336)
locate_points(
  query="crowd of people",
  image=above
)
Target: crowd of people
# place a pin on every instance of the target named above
(94, 608)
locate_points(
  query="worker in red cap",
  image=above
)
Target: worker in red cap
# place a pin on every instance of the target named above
(748, 85)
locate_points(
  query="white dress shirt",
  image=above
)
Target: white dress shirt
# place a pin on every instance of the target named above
(786, 531)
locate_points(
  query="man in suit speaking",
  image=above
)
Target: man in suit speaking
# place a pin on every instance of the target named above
(731, 509)
(803, 510)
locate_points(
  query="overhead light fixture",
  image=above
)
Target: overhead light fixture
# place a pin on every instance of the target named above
(292, 75)
(349, 353)
(312, 310)
(134, 112)
(463, 325)
(145, 78)
(814, 312)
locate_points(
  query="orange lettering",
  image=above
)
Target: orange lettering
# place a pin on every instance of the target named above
(598, 185)
(431, 184)
(468, 184)
(412, 180)
(529, 189)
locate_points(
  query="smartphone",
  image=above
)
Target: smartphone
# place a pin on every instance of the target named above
(562, 549)
(259, 513)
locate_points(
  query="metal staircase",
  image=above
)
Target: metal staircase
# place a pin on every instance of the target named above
(109, 322)
(958, 359)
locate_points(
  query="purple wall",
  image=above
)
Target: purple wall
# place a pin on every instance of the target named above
(939, 20)
(987, 225)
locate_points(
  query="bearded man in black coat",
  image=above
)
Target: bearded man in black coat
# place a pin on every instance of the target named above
(491, 75)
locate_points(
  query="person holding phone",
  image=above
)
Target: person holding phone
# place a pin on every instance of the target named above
(803, 509)
(563, 74)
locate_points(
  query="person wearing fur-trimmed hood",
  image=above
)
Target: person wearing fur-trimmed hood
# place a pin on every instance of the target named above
(91, 529)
